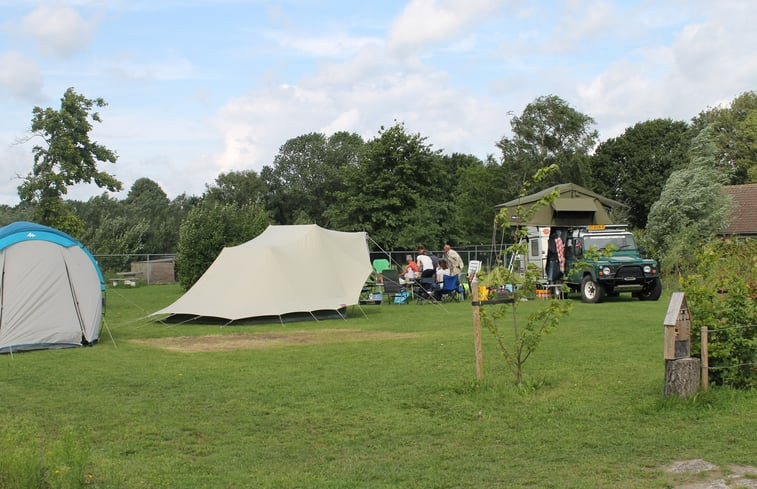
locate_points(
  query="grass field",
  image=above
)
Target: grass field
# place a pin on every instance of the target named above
(378, 410)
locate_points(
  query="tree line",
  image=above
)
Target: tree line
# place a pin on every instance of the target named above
(397, 186)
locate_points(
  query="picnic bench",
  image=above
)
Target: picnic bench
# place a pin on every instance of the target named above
(126, 278)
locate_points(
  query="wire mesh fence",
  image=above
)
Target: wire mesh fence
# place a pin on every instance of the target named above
(131, 269)
(486, 254)
(137, 268)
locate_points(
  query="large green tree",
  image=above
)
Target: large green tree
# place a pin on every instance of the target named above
(733, 136)
(10, 214)
(66, 156)
(306, 172)
(692, 207)
(147, 203)
(236, 187)
(549, 131)
(396, 192)
(479, 188)
(634, 166)
(97, 214)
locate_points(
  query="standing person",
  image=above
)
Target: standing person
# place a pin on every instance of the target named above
(456, 264)
(560, 253)
(555, 257)
(425, 264)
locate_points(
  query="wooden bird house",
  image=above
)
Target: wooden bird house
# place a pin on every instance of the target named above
(677, 339)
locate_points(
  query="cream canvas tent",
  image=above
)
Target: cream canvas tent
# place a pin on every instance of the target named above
(284, 272)
(50, 290)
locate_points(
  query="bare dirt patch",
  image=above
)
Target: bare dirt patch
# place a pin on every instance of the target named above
(246, 341)
(700, 474)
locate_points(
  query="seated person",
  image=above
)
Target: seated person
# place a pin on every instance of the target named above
(441, 271)
(411, 269)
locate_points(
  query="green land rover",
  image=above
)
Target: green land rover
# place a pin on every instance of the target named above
(605, 261)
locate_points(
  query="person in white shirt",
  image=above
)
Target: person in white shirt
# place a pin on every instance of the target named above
(441, 271)
(425, 263)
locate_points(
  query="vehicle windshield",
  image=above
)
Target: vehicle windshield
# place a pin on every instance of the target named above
(622, 242)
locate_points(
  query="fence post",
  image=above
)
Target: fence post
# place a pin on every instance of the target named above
(705, 360)
(477, 329)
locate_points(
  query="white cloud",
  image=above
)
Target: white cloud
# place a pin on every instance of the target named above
(425, 22)
(58, 30)
(17, 162)
(583, 22)
(704, 64)
(332, 46)
(20, 77)
(256, 124)
(169, 67)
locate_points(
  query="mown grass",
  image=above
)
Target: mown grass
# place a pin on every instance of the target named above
(394, 413)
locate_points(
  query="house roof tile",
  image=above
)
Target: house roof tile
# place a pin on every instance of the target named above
(744, 214)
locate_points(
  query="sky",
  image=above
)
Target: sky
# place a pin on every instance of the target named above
(196, 88)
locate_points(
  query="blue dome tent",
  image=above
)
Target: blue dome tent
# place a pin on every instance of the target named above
(50, 290)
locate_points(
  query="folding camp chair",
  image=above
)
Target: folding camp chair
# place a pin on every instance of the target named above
(424, 286)
(450, 288)
(379, 265)
(393, 291)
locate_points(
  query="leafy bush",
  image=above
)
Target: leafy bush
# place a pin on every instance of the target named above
(210, 227)
(721, 295)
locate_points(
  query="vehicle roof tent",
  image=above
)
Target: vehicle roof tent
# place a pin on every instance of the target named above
(50, 290)
(576, 206)
(286, 273)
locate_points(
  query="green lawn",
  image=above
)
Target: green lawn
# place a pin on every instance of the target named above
(391, 413)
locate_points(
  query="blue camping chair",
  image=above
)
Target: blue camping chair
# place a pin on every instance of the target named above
(450, 288)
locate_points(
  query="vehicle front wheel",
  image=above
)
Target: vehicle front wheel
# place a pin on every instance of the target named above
(591, 291)
(652, 291)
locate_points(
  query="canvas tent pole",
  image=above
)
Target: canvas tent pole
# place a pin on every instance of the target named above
(75, 300)
(382, 250)
(107, 328)
(361, 310)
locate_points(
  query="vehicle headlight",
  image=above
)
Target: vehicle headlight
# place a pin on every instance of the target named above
(647, 269)
(607, 271)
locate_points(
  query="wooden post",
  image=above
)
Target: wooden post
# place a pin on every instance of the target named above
(705, 360)
(477, 329)
(682, 377)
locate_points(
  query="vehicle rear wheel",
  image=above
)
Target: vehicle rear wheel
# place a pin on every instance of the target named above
(651, 292)
(591, 291)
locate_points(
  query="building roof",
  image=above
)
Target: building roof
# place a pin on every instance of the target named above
(744, 214)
